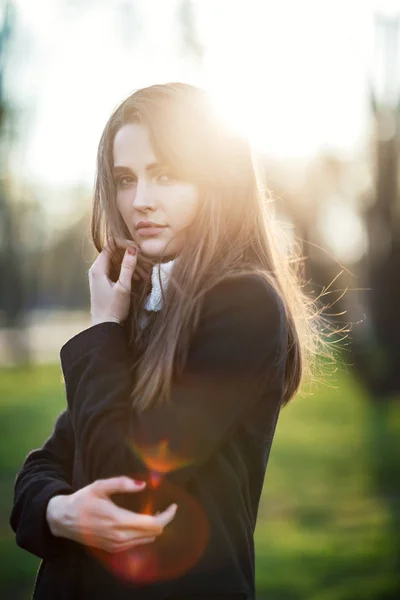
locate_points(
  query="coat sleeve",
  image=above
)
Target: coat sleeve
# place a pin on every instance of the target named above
(46, 472)
(230, 365)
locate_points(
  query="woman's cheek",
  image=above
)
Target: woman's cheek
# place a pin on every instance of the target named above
(185, 206)
(125, 210)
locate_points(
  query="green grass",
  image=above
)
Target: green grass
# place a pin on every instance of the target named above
(324, 532)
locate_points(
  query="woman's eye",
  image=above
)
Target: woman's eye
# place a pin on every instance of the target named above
(125, 180)
(165, 177)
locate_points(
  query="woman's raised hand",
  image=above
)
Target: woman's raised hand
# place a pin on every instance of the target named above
(110, 301)
(90, 517)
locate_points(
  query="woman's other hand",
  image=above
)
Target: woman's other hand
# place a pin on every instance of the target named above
(110, 301)
(90, 517)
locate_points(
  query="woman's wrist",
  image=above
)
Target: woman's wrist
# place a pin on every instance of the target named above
(57, 515)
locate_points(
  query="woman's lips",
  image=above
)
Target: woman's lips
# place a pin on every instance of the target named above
(149, 231)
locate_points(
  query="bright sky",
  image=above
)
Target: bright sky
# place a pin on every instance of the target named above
(292, 75)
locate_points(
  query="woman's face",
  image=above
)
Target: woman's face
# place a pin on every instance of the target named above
(148, 191)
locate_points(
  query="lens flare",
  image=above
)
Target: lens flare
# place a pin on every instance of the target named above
(175, 551)
(159, 458)
(183, 541)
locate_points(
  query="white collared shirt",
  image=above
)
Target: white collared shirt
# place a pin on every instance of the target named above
(154, 300)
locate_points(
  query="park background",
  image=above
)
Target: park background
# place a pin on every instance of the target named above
(315, 85)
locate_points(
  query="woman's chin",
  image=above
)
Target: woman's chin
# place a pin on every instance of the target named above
(156, 249)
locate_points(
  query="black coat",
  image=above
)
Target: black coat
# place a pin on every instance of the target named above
(210, 443)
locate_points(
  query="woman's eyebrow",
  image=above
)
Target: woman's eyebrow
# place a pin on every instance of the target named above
(123, 169)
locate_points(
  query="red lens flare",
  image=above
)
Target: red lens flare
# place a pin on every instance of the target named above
(175, 551)
(183, 540)
(159, 458)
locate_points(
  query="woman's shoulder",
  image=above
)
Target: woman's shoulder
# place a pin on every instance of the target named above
(242, 324)
(249, 294)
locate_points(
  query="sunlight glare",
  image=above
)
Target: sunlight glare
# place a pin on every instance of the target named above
(342, 230)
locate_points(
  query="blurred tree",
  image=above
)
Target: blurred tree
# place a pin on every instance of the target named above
(377, 352)
(64, 267)
(379, 361)
(12, 300)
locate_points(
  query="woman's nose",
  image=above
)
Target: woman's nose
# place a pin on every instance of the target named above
(143, 198)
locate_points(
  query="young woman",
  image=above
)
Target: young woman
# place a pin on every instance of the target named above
(200, 334)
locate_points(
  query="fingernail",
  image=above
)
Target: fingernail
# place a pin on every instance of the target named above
(132, 250)
(139, 482)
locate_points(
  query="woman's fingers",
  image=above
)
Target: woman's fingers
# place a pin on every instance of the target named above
(113, 528)
(113, 485)
(128, 266)
(165, 517)
(142, 268)
(142, 522)
(130, 544)
(140, 541)
(147, 523)
(102, 263)
(135, 542)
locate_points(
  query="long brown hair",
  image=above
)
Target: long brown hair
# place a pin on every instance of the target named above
(233, 233)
